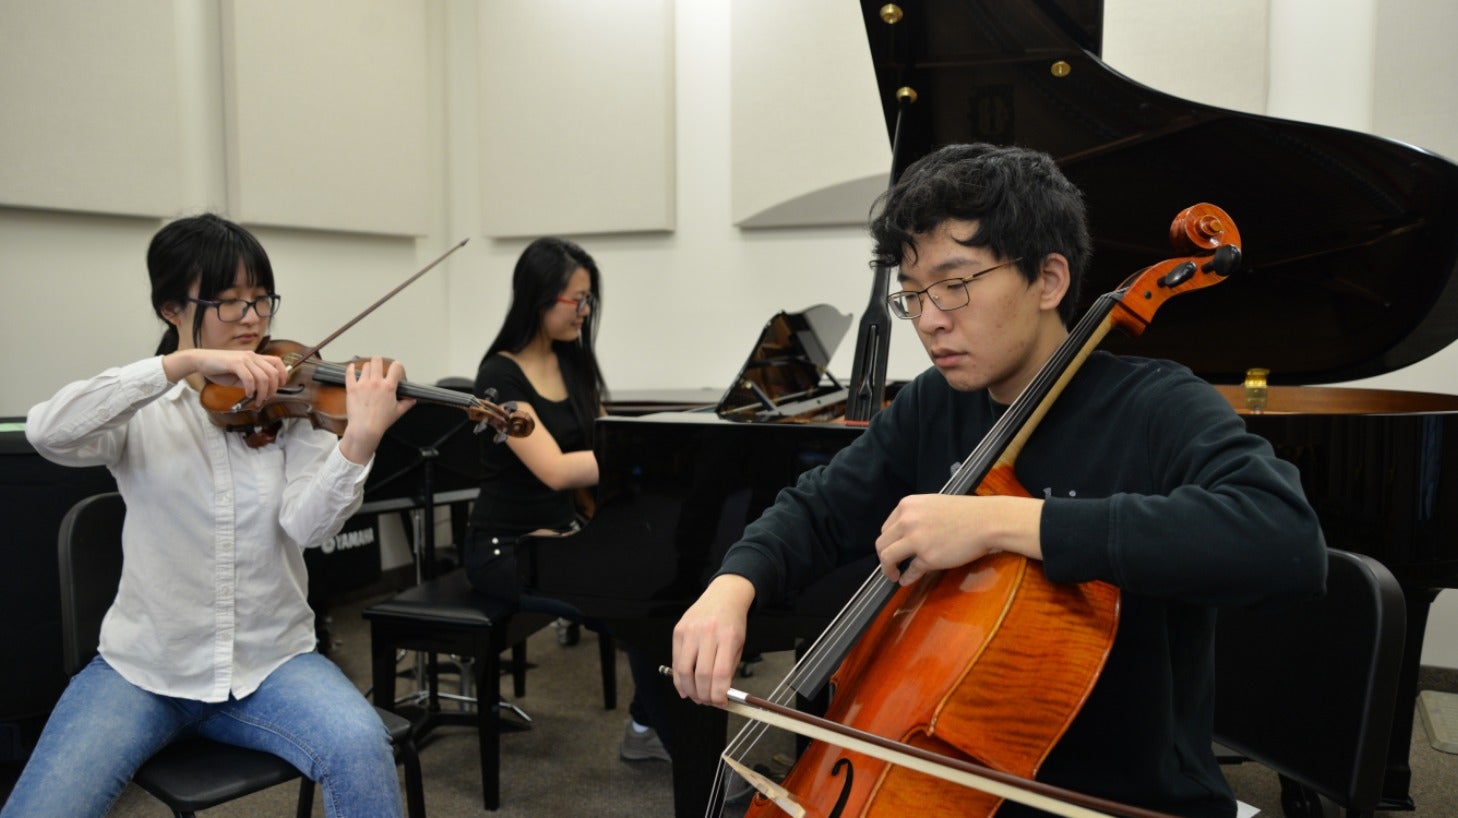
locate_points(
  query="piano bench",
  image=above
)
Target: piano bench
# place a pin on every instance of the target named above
(446, 616)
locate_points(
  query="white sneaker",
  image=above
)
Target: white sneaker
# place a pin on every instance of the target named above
(645, 746)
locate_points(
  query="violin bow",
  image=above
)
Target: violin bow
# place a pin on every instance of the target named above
(1035, 794)
(314, 350)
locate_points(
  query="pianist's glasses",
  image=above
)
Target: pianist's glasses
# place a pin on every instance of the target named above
(584, 303)
(949, 294)
(233, 310)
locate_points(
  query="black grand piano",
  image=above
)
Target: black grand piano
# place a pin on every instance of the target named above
(1350, 241)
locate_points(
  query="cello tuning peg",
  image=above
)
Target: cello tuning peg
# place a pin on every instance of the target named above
(1225, 261)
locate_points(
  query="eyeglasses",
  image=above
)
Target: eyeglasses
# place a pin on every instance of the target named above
(950, 294)
(584, 303)
(235, 309)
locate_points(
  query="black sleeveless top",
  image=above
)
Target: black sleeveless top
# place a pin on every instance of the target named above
(513, 501)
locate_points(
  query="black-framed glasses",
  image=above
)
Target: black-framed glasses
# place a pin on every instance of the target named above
(949, 294)
(584, 303)
(234, 309)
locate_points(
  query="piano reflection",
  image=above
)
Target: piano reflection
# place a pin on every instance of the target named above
(1352, 241)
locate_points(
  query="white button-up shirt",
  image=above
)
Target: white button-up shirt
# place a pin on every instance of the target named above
(213, 587)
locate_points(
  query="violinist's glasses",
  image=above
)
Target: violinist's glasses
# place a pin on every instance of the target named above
(584, 303)
(949, 294)
(234, 309)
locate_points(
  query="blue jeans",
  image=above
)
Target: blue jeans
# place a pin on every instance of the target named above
(306, 712)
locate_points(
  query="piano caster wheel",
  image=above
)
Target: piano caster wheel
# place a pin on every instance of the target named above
(746, 667)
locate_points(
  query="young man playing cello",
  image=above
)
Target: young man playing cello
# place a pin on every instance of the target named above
(1142, 476)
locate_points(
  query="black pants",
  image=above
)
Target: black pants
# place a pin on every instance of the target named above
(492, 569)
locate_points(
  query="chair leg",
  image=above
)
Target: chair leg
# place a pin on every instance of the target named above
(488, 722)
(414, 785)
(382, 655)
(306, 797)
(518, 669)
(607, 656)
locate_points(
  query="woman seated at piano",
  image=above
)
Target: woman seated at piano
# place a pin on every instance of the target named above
(210, 633)
(543, 360)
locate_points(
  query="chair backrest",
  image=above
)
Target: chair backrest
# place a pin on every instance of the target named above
(90, 553)
(1309, 689)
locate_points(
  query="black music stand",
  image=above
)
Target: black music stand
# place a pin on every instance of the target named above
(429, 455)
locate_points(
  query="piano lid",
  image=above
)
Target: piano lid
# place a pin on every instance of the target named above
(785, 374)
(1351, 240)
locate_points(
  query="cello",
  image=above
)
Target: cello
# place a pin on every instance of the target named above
(994, 624)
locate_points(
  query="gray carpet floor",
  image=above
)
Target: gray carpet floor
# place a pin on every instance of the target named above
(568, 764)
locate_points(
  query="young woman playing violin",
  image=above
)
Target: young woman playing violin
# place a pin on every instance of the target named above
(210, 633)
(1140, 475)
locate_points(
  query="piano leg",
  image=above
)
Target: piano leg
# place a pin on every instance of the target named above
(700, 734)
(1395, 787)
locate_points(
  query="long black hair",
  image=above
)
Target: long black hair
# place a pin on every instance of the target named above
(1023, 204)
(541, 274)
(206, 249)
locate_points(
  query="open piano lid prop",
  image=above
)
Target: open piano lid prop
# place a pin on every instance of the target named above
(785, 374)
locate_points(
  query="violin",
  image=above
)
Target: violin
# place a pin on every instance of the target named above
(993, 625)
(315, 390)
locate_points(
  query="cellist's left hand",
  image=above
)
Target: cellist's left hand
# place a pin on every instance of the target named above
(940, 531)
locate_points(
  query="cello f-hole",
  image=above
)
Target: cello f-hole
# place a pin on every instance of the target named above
(845, 790)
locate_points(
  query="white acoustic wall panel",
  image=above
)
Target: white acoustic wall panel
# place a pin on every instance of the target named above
(327, 111)
(89, 106)
(1215, 53)
(809, 143)
(577, 117)
(1414, 98)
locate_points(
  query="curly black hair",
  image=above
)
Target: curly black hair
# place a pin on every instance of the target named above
(1023, 204)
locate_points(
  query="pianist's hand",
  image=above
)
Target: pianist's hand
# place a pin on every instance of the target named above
(708, 640)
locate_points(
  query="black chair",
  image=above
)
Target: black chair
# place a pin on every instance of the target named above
(191, 774)
(1310, 689)
(446, 616)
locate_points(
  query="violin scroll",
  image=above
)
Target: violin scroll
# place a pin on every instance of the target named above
(507, 419)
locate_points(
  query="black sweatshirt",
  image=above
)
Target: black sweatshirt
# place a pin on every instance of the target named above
(1152, 484)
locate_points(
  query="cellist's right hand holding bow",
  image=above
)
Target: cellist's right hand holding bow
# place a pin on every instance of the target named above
(708, 640)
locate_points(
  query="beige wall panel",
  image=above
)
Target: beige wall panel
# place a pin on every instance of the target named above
(577, 117)
(810, 144)
(1414, 96)
(89, 94)
(327, 114)
(1215, 53)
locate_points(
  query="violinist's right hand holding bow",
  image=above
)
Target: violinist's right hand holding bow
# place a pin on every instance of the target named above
(260, 376)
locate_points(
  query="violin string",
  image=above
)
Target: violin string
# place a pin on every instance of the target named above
(334, 374)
